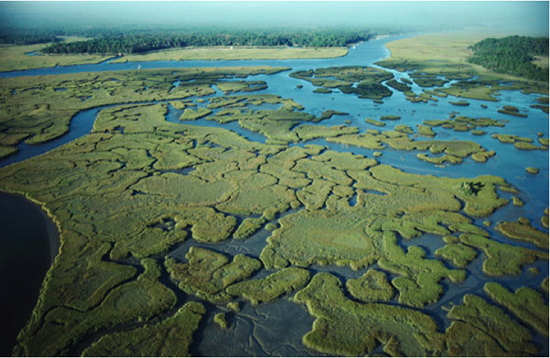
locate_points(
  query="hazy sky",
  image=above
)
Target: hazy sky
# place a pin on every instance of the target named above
(520, 17)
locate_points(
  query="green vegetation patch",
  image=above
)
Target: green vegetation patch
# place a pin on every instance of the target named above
(191, 114)
(365, 82)
(248, 227)
(371, 287)
(319, 237)
(400, 86)
(344, 327)
(418, 283)
(404, 129)
(402, 141)
(480, 329)
(219, 319)
(322, 90)
(544, 219)
(524, 232)
(390, 118)
(460, 103)
(464, 124)
(519, 142)
(37, 112)
(513, 111)
(62, 327)
(502, 259)
(525, 303)
(169, 338)
(7, 151)
(15, 58)
(375, 122)
(509, 138)
(228, 87)
(207, 274)
(308, 132)
(428, 80)
(273, 286)
(460, 255)
(425, 130)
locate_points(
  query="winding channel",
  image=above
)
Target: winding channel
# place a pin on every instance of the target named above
(33, 252)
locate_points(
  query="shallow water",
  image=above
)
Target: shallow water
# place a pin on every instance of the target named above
(263, 330)
(28, 245)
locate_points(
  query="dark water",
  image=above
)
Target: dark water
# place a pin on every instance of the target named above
(25, 256)
(249, 335)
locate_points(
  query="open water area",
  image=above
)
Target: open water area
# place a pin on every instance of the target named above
(264, 330)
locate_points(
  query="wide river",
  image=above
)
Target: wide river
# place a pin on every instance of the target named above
(263, 330)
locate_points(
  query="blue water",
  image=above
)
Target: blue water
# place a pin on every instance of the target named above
(509, 162)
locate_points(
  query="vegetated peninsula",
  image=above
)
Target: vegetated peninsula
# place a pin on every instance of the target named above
(359, 200)
(50, 48)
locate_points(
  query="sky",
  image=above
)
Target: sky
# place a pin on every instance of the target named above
(518, 17)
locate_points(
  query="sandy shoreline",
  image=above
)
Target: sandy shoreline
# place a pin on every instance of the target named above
(52, 232)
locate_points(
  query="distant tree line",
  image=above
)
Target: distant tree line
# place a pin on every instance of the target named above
(512, 55)
(28, 37)
(143, 42)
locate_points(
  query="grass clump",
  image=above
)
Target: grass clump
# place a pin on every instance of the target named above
(524, 232)
(319, 238)
(544, 219)
(478, 132)
(307, 132)
(404, 129)
(532, 170)
(7, 151)
(390, 118)
(219, 319)
(248, 227)
(365, 82)
(322, 90)
(375, 122)
(273, 286)
(519, 142)
(344, 327)
(525, 303)
(137, 300)
(480, 329)
(502, 259)
(169, 338)
(511, 110)
(464, 124)
(440, 160)
(425, 131)
(38, 113)
(418, 283)
(206, 274)
(371, 287)
(191, 114)
(402, 141)
(517, 201)
(460, 255)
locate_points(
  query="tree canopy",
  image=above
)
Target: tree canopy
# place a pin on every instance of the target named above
(512, 55)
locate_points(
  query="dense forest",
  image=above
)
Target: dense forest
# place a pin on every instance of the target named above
(28, 37)
(512, 55)
(143, 42)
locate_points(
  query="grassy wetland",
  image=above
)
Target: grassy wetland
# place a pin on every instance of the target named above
(208, 209)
